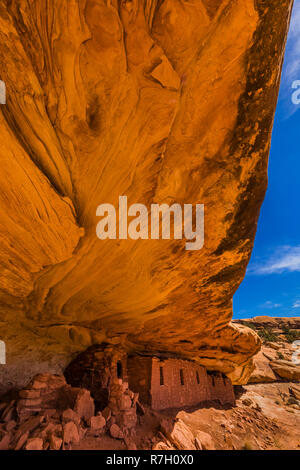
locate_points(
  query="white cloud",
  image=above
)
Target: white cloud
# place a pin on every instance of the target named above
(292, 62)
(296, 304)
(293, 46)
(270, 304)
(286, 258)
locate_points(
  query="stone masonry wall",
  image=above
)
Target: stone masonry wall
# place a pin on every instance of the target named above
(180, 385)
(221, 389)
(95, 369)
(160, 383)
(139, 369)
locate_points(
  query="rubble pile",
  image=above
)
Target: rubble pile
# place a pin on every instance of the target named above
(49, 414)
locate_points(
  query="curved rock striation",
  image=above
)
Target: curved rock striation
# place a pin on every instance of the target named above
(160, 100)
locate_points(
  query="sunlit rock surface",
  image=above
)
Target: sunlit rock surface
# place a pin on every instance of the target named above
(162, 101)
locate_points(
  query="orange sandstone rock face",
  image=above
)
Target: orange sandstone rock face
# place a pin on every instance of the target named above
(162, 101)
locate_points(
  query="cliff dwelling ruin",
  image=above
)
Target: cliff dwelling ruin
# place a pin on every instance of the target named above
(161, 382)
(176, 383)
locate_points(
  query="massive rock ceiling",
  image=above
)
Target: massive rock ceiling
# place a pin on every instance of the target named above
(160, 100)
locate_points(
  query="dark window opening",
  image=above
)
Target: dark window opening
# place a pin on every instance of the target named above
(181, 377)
(119, 370)
(197, 377)
(213, 381)
(161, 376)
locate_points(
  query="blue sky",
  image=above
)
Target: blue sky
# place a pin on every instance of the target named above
(272, 282)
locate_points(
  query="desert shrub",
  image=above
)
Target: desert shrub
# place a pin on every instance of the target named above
(250, 325)
(280, 355)
(291, 335)
(267, 335)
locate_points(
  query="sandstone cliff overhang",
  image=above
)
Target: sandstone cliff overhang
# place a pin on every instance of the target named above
(162, 101)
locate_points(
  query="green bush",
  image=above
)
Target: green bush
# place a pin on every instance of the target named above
(290, 335)
(267, 335)
(250, 325)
